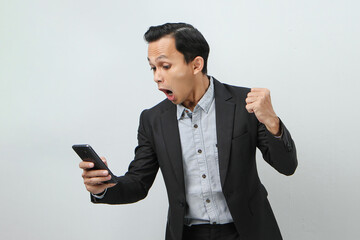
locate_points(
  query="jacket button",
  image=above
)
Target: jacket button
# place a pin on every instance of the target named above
(181, 204)
(199, 151)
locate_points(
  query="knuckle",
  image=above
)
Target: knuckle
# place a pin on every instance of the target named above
(89, 181)
(105, 178)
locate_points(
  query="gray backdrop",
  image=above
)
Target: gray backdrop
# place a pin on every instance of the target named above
(76, 72)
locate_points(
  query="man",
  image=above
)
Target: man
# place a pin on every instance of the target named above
(204, 138)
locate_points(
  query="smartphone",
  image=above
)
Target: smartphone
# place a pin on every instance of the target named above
(87, 153)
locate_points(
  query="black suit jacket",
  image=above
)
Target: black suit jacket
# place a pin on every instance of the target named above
(238, 135)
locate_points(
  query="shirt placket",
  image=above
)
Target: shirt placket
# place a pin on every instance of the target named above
(204, 176)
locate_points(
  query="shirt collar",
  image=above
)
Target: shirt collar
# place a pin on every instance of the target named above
(204, 103)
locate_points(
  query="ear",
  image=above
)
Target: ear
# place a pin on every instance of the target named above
(198, 64)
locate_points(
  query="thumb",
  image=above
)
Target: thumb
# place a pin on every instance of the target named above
(104, 160)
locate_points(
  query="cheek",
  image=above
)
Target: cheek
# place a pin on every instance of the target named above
(181, 79)
(178, 73)
(183, 85)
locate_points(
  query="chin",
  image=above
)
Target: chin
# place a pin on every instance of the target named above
(176, 101)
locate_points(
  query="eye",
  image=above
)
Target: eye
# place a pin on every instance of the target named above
(152, 69)
(166, 67)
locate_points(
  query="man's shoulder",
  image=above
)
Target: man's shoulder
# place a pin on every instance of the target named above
(231, 90)
(235, 88)
(158, 109)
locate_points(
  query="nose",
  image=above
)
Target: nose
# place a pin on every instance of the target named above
(157, 77)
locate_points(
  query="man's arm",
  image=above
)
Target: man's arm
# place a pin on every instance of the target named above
(135, 184)
(274, 140)
(280, 153)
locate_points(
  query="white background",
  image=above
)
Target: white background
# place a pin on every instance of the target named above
(76, 72)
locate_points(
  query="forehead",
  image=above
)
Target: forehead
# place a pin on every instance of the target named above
(163, 48)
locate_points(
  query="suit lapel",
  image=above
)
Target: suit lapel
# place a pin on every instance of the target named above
(169, 124)
(224, 126)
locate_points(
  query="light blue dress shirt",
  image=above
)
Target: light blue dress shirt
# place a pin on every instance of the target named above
(204, 196)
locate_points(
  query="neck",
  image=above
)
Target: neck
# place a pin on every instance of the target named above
(201, 84)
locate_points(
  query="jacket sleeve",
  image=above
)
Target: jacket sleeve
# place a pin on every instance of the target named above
(280, 153)
(137, 181)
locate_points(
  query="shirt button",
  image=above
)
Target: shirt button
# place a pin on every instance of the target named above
(195, 126)
(208, 200)
(203, 176)
(199, 151)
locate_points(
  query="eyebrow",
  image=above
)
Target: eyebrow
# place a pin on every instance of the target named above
(158, 58)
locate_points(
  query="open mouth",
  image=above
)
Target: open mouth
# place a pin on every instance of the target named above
(166, 91)
(169, 94)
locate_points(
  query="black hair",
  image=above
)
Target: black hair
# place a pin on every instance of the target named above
(188, 40)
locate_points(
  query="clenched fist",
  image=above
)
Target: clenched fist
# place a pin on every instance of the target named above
(258, 101)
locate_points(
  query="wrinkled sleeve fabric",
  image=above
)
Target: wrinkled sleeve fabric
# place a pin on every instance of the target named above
(279, 152)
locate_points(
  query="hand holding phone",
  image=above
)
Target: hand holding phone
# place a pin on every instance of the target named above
(97, 176)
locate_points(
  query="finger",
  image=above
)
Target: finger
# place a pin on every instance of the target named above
(109, 185)
(86, 165)
(254, 94)
(96, 180)
(95, 173)
(258, 89)
(261, 91)
(250, 99)
(249, 108)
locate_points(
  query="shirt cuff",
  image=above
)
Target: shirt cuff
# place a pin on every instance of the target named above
(99, 196)
(281, 134)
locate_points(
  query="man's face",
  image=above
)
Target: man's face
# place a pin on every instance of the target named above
(172, 74)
